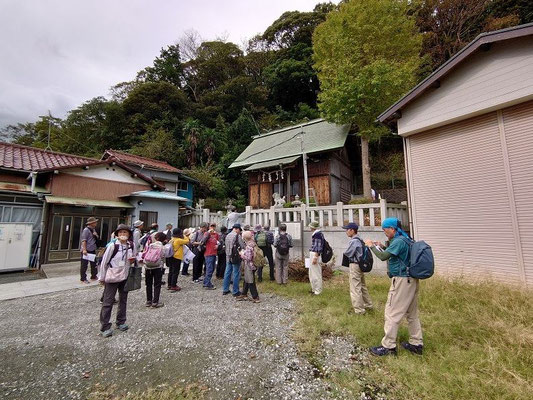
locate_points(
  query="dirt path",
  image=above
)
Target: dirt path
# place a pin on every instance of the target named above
(50, 348)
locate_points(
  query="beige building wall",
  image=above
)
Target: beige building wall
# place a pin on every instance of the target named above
(486, 81)
(471, 192)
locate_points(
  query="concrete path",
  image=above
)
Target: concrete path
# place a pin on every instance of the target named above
(17, 290)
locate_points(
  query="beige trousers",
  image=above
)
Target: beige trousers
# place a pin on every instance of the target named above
(315, 275)
(402, 302)
(281, 268)
(358, 291)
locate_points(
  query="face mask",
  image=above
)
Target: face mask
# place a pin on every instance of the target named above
(123, 238)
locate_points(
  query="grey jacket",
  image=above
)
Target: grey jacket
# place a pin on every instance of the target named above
(354, 250)
(230, 239)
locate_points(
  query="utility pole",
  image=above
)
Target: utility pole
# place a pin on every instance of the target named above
(304, 158)
(48, 148)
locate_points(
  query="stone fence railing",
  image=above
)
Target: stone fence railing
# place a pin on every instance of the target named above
(365, 215)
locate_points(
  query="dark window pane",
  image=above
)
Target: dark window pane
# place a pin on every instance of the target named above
(148, 217)
(65, 233)
(76, 233)
(295, 188)
(105, 230)
(114, 224)
(56, 231)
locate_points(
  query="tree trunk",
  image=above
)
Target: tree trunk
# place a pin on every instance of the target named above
(365, 161)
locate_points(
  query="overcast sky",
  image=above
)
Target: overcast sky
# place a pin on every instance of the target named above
(56, 54)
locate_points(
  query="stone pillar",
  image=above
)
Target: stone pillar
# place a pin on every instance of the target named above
(383, 209)
(340, 213)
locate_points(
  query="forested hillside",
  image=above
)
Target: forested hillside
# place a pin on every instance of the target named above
(201, 101)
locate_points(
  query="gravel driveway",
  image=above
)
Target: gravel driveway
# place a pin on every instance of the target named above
(50, 347)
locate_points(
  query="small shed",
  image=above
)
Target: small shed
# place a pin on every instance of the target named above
(468, 140)
(274, 164)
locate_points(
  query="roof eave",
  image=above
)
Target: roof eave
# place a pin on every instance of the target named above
(387, 116)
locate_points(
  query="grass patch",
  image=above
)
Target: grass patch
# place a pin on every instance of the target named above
(162, 392)
(478, 338)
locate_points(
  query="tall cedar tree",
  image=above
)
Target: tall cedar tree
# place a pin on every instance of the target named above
(366, 55)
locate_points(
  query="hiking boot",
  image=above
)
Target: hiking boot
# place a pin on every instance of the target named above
(256, 300)
(242, 297)
(148, 304)
(107, 333)
(415, 349)
(158, 305)
(123, 327)
(383, 351)
(225, 293)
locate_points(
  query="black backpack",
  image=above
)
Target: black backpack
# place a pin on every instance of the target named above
(283, 245)
(367, 260)
(235, 257)
(221, 249)
(327, 252)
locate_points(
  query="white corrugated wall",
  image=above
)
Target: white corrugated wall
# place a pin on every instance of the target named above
(518, 126)
(460, 199)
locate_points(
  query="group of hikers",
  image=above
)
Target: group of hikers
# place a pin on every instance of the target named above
(245, 251)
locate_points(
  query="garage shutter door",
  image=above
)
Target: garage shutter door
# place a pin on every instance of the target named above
(460, 199)
(518, 123)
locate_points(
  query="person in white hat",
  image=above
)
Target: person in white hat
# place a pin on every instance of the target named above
(137, 233)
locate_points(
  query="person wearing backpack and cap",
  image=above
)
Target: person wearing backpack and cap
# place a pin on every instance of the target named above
(403, 293)
(153, 258)
(260, 238)
(358, 291)
(282, 244)
(234, 244)
(89, 236)
(116, 263)
(315, 269)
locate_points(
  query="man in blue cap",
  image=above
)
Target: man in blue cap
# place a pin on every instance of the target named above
(403, 293)
(358, 291)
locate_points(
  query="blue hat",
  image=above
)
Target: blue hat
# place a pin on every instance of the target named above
(351, 225)
(236, 226)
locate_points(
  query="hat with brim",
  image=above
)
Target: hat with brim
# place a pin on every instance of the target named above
(138, 223)
(122, 227)
(90, 220)
(314, 225)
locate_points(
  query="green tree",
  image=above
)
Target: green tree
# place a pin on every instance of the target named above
(449, 25)
(366, 55)
(97, 123)
(153, 105)
(160, 145)
(290, 77)
(166, 68)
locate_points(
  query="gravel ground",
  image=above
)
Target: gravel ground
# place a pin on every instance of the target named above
(51, 349)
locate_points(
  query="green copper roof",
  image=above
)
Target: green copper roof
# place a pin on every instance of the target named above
(318, 135)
